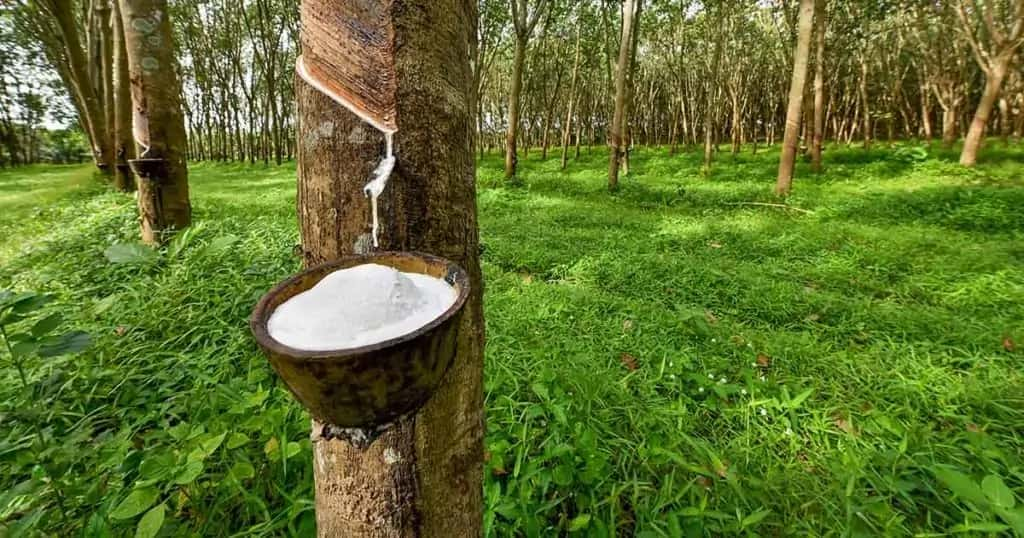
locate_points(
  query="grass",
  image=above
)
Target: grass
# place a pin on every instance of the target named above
(667, 360)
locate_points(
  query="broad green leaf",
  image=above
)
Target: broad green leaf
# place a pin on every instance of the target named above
(137, 502)
(1015, 518)
(156, 467)
(24, 349)
(97, 527)
(69, 343)
(579, 522)
(242, 470)
(211, 444)
(150, 523)
(189, 473)
(29, 302)
(129, 253)
(292, 449)
(961, 485)
(997, 492)
(207, 447)
(47, 324)
(236, 440)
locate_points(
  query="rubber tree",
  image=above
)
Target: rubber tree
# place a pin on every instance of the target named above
(796, 98)
(73, 62)
(523, 23)
(994, 36)
(407, 68)
(158, 124)
(124, 148)
(615, 139)
(819, 84)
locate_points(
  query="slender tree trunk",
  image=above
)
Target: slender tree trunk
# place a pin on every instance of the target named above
(865, 106)
(615, 141)
(712, 101)
(158, 122)
(796, 90)
(78, 68)
(423, 475)
(819, 86)
(567, 127)
(105, 83)
(124, 147)
(513, 108)
(993, 84)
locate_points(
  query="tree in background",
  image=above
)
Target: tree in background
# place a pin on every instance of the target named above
(124, 146)
(524, 20)
(995, 32)
(630, 21)
(796, 98)
(158, 124)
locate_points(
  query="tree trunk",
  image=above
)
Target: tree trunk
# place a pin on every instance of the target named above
(819, 86)
(567, 127)
(124, 147)
(709, 108)
(423, 476)
(82, 84)
(513, 108)
(993, 84)
(796, 91)
(615, 141)
(105, 84)
(158, 123)
(865, 106)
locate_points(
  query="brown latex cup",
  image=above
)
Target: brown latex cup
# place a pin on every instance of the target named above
(375, 384)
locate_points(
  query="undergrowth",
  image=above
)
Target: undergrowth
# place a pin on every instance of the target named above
(668, 360)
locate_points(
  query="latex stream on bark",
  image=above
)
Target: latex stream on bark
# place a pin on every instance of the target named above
(382, 173)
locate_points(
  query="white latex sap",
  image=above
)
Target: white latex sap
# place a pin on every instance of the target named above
(359, 306)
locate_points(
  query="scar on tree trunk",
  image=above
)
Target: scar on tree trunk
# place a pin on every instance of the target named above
(158, 122)
(422, 476)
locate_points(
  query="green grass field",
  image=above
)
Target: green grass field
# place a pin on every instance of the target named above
(670, 360)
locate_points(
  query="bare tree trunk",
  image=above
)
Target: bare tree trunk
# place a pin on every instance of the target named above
(796, 91)
(712, 98)
(124, 147)
(513, 109)
(78, 66)
(819, 86)
(615, 141)
(865, 106)
(422, 476)
(158, 123)
(567, 127)
(993, 84)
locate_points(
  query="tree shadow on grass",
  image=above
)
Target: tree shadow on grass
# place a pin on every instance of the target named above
(966, 208)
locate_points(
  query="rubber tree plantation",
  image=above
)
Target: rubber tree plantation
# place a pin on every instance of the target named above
(742, 268)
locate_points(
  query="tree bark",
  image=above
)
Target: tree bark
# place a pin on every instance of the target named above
(82, 84)
(712, 98)
(511, 159)
(567, 126)
(124, 148)
(421, 477)
(993, 85)
(796, 90)
(158, 122)
(819, 86)
(622, 71)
